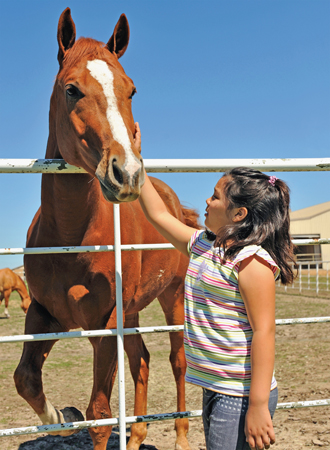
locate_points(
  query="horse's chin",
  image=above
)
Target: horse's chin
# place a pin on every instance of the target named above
(117, 197)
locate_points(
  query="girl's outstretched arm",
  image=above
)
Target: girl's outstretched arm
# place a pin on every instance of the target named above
(257, 287)
(176, 232)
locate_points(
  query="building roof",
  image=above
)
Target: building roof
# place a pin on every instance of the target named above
(311, 211)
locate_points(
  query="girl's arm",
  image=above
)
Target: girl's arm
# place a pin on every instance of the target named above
(257, 287)
(176, 232)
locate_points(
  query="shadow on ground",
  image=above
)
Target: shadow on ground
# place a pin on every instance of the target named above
(79, 441)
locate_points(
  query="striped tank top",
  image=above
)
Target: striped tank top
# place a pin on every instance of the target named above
(217, 333)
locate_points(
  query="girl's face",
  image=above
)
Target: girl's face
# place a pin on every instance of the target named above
(217, 214)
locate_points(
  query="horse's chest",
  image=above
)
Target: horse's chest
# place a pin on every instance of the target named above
(74, 287)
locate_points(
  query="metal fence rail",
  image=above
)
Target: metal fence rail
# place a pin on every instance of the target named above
(125, 247)
(130, 331)
(136, 419)
(175, 165)
(210, 165)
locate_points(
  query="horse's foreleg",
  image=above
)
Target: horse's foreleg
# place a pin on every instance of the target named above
(27, 376)
(138, 357)
(105, 367)
(178, 362)
(6, 295)
(171, 301)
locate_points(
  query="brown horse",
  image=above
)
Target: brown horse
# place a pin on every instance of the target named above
(91, 126)
(9, 282)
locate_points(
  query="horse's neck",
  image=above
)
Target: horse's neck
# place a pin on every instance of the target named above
(69, 201)
(68, 205)
(21, 289)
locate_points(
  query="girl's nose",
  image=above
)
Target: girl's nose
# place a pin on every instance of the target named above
(208, 201)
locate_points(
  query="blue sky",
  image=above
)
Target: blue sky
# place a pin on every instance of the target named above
(215, 79)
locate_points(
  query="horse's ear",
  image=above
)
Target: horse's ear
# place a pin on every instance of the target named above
(66, 34)
(119, 40)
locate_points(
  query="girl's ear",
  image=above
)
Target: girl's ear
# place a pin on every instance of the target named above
(240, 214)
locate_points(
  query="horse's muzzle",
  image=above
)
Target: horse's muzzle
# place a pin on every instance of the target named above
(122, 183)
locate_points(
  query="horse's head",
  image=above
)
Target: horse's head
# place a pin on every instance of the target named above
(92, 102)
(26, 302)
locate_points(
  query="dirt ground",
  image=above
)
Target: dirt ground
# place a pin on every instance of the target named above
(302, 372)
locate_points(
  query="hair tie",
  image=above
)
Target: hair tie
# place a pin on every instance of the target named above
(272, 180)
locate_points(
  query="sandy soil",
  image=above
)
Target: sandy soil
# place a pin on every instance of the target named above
(302, 371)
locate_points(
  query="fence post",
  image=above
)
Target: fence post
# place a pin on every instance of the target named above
(309, 276)
(120, 329)
(317, 278)
(300, 278)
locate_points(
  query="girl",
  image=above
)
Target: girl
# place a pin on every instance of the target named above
(229, 332)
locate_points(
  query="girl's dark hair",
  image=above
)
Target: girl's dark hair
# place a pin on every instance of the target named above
(267, 223)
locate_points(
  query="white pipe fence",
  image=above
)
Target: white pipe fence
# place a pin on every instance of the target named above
(59, 166)
(312, 276)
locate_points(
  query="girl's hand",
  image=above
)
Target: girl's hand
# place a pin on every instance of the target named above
(259, 429)
(137, 137)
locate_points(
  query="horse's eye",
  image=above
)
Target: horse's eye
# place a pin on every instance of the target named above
(133, 93)
(72, 91)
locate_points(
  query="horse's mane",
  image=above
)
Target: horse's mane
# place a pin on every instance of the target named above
(191, 217)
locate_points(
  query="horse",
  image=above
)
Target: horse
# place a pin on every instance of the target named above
(9, 282)
(91, 126)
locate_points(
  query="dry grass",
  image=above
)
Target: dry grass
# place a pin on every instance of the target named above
(302, 355)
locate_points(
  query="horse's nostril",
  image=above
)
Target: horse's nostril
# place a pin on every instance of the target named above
(116, 172)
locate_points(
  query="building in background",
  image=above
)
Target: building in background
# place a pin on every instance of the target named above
(19, 271)
(309, 223)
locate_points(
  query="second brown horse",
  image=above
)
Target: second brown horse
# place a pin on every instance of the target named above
(91, 126)
(9, 282)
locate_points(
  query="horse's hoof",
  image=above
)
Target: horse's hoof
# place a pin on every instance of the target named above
(68, 414)
(72, 414)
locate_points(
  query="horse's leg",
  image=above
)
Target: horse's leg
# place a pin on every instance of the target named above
(138, 357)
(7, 293)
(171, 301)
(105, 367)
(28, 373)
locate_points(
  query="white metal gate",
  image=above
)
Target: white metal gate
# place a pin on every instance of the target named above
(152, 165)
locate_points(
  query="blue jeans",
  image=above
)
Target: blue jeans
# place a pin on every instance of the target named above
(224, 419)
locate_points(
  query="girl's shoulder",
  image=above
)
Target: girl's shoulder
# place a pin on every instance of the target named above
(199, 239)
(251, 250)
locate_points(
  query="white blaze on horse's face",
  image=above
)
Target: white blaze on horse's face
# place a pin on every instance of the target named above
(101, 72)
